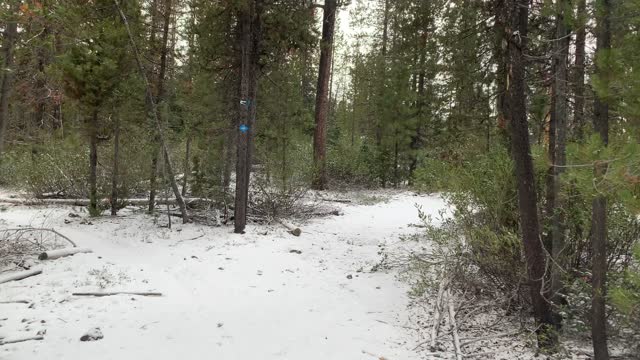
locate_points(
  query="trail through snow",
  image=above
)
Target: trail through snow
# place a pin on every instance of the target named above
(226, 296)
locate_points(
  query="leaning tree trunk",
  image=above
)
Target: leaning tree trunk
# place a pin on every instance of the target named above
(159, 101)
(599, 215)
(10, 35)
(322, 95)
(154, 110)
(521, 150)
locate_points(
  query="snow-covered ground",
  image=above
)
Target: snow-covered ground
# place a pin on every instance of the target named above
(262, 295)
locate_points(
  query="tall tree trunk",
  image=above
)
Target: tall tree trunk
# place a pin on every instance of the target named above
(6, 73)
(501, 59)
(250, 37)
(416, 140)
(380, 104)
(322, 95)
(241, 197)
(383, 70)
(581, 36)
(116, 164)
(41, 91)
(92, 124)
(306, 68)
(558, 250)
(599, 215)
(521, 150)
(154, 111)
(160, 87)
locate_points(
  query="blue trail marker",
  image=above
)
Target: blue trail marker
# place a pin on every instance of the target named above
(244, 128)
(246, 103)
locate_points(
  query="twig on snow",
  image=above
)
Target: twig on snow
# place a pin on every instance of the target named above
(17, 340)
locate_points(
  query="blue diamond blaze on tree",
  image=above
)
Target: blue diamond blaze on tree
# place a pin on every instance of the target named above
(244, 128)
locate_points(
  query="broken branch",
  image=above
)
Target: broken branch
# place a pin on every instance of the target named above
(99, 294)
(20, 275)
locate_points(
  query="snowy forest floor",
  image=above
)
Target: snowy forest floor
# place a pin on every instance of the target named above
(262, 295)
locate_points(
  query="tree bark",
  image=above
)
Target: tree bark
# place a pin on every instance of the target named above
(93, 163)
(383, 70)
(561, 52)
(501, 59)
(250, 31)
(187, 166)
(322, 95)
(581, 36)
(154, 111)
(116, 163)
(599, 214)
(160, 87)
(521, 151)
(7, 70)
(416, 140)
(153, 175)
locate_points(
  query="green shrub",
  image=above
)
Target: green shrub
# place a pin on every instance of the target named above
(626, 294)
(351, 164)
(61, 168)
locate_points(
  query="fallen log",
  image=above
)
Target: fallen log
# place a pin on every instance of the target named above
(293, 230)
(112, 293)
(20, 339)
(344, 201)
(55, 254)
(14, 302)
(20, 275)
(85, 202)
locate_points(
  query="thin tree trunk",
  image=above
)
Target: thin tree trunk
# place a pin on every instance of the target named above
(154, 111)
(383, 70)
(521, 148)
(306, 66)
(581, 35)
(322, 100)
(42, 60)
(159, 101)
(116, 163)
(6, 71)
(93, 163)
(187, 166)
(501, 59)
(416, 140)
(599, 215)
(153, 174)
(558, 251)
